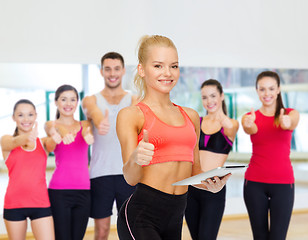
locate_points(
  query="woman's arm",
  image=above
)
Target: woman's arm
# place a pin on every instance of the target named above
(87, 132)
(129, 123)
(208, 184)
(50, 126)
(59, 132)
(288, 121)
(248, 122)
(229, 125)
(49, 144)
(53, 137)
(194, 117)
(9, 142)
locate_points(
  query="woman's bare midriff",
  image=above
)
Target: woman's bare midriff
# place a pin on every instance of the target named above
(210, 160)
(161, 176)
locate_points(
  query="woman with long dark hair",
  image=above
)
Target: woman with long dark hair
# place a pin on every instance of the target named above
(269, 179)
(205, 209)
(69, 187)
(26, 196)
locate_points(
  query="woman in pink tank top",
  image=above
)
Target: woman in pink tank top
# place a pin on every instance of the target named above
(158, 141)
(25, 156)
(69, 187)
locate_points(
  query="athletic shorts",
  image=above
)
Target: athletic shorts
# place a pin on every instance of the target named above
(20, 214)
(104, 191)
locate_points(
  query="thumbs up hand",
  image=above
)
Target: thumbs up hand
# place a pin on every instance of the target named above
(88, 136)
(249, 120)
(284, 120)
(34, 133)
(69, 138)
(224, 121)
(54, 134)
(144, 150)
(104, 125)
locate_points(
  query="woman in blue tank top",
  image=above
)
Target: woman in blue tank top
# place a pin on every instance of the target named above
(205, 209)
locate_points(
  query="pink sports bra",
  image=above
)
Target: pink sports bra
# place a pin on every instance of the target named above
(172, 143)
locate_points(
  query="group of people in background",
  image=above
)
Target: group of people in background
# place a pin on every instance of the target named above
(141, 145)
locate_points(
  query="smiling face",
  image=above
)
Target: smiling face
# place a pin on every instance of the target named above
(211, 98)
(112, 72)
(268, 90)
(25, 117)
(161, 69)
(67, 103)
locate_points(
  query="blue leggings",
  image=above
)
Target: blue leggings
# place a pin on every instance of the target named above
(275, 200)
(204, 212)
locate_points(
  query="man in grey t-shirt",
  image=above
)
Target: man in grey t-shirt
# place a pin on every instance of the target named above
(107, 181)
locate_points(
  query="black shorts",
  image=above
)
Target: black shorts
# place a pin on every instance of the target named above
(104, 191)
(20, 214)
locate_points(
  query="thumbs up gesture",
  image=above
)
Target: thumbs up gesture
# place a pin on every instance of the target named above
(144, 151)
(69, 137)
(33, 134)
(224, 121)
(284, 120)
(249, 120)
(104, 125)
(54, 134)
(88, 136)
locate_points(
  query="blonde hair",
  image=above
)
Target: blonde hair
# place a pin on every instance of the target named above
(143, 51)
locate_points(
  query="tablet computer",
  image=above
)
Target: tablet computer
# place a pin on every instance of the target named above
(219, 172)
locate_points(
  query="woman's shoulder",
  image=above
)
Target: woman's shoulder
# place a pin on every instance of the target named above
(130, 117)
(8, 143)
(130, 111)
(193, 115)
(191, 112)
(235, 123)
(130, 114)
(288, 110)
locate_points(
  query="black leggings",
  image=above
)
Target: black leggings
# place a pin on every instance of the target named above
(71, 211)
(204, 212)
(276, 200)
(152, 215)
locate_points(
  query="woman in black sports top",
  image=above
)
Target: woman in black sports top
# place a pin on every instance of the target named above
(217, 132)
